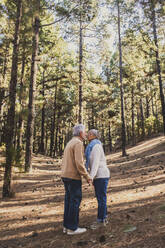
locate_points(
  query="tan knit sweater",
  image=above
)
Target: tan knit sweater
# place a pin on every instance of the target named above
(73, 161)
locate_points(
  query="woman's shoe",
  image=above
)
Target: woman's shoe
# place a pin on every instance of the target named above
(79, 230)
(97, 224)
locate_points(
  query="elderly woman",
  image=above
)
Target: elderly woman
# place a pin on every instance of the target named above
(99, 172)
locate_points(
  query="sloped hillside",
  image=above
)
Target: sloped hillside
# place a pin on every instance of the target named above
(136, 204)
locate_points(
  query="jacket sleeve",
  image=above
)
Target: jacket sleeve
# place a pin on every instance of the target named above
(79, 160)
(94, 160)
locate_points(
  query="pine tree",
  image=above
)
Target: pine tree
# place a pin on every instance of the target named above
(32, 86)
(10, 128)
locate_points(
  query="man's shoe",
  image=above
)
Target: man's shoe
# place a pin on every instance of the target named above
(105, 222)
(64, 230)
(79, 230)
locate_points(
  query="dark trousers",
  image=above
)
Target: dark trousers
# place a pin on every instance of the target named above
(100, 185)
(73, 197)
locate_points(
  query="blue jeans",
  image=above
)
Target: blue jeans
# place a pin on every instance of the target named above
(73, 196)
(100, 185)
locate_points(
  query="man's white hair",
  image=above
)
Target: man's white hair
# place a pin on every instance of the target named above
(94, 132)
(77, 129)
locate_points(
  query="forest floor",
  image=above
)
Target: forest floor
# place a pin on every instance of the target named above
(136, 204)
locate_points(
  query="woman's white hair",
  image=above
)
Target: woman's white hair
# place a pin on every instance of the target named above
(94, 132)
(77, 129)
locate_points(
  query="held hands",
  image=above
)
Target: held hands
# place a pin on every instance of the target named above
(90, 181)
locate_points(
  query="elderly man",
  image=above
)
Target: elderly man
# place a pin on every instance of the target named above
(73, 169)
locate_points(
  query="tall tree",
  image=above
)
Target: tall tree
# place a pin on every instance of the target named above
(21, 93)
(152, 11)
(121, 85)
(80, 64)
(10, 128)
(31, 106)
(81, 12)
(42, 144)
(153, 16)
(53, 120)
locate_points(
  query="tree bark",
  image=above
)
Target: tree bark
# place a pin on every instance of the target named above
(2, 94)
(147, 111)
(138, 124)
(80, 68)
(93, 123)
(121, 87)
(10, 127)
(56, 135)
(141, 113)
(109, 136)
(31, 106)
(133, 118)
(53, 122)
(42, 144)
(142, 118)
(20, 121)
(158, 63)
(2, 89)
(102, 132)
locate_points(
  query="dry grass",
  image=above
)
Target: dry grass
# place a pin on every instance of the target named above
(136, 204)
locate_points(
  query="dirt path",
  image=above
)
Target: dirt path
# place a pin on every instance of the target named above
(136, 204)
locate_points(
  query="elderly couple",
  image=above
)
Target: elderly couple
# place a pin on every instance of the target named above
(73, 168)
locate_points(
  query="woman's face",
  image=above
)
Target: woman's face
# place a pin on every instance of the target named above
(91, 136)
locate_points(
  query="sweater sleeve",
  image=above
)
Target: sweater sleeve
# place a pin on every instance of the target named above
(94, 160)
(79, 160)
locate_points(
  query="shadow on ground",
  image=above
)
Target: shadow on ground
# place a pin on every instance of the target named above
(136, 204)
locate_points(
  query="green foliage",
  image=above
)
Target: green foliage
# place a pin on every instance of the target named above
(150, 124)
(58, 65)
(19, 159)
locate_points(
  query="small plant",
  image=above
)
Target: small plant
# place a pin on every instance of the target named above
(19, 159)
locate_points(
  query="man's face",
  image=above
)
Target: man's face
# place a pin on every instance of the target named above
(83, 135)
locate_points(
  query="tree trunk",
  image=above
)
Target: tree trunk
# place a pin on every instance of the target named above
(147, 111)
(158, 62)
(142, 118)
(2, 89)
(109, 136)
(31, 106)
(126, 122)
(80, 69)
(147, 107)
(93, 124)
(5, 64)
(2, 95)
(35, 140)
(61, 141)
(121, 87)
(141, 113)
(138, 124)
(56, 136)
(133, 118)
(46, 142)
(152, 105)
(42, 145)
(53, 122)
(102, 134)
(20, 121)
(10, 127)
